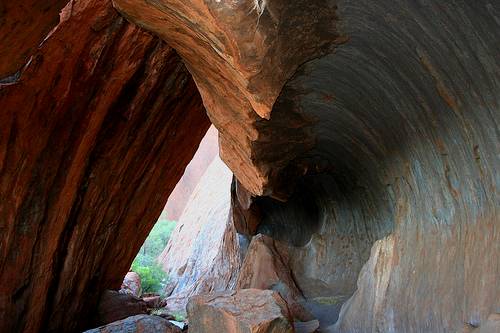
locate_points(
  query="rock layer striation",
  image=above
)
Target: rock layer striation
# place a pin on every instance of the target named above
(93, 138)
(363, 135)
(380, 122)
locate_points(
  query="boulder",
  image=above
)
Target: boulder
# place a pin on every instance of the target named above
(152, 301)
(115, 306)
(132, 284)
(138, 324)
(242, 311)
(266, 267)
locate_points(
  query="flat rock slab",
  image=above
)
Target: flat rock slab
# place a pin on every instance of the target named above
(242, 311)
(114, 306)
(138, 324)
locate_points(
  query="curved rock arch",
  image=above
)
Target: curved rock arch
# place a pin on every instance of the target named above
(393, 110)
(388, 109)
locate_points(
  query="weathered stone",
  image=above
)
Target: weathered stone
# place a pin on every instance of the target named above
(132, 284)
(243, 311)
(115, 306)
(207, 151)
(23, 26)
(240, 56)
(152, 301)
(203, 254)
(306, 327)
(393, 134)
(138, 324)
(378, 122)
(491, 325)
(93, 138)
(245, 212)
(265, 267)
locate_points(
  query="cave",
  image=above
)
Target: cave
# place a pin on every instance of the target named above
(361, 138)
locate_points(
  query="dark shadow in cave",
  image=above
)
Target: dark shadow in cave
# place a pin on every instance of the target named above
(293, 221)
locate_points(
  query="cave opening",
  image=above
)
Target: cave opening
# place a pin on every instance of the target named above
(367, 151)
(185, 237)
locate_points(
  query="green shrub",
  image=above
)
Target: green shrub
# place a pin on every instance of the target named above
(153, 278)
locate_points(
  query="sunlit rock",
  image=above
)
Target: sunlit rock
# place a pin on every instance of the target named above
(243, 311)
(203, 253)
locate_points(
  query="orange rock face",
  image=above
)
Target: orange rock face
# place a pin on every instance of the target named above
(266, 267)
(114, 305)
(240, 56)
(207, 151)
(23, 25)
(367, 129)
(376, 121)
(93, 138)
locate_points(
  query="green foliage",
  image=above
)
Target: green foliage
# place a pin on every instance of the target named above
(179, 316)
(153, 278)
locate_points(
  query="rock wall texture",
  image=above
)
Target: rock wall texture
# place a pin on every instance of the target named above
(240, 56)
(243, 311)
(207, 151)
(23, 26)
(93, 138)
(363, 135)
(378, 122)
(138, 324)
(203, 253)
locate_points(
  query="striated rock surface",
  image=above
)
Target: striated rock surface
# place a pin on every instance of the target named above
(243, 311)
(203, 254)
(93, 138)
(266, 267)
(240, 56)
(207, 151)
(386, 127)
(245, 210)
(138, 324)
(364, 135)
(23, 26)
(491, 325)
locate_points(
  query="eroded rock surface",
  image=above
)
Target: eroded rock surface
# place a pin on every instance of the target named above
(207, 151)
(390, 131)
(23, 26)
(115, 306)
(93, 138)
(203, 253)
(266, 267)
(243, 311)
(240, 56)
(138, 324)
(374, 124)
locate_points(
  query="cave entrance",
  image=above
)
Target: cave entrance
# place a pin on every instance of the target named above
(169, 267)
